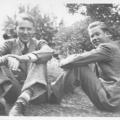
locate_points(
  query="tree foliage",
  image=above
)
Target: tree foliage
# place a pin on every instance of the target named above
(77, 35)
(108, 13)
(73, 39)
(44, 24)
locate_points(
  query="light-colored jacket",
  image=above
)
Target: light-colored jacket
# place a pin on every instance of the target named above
(15, 46)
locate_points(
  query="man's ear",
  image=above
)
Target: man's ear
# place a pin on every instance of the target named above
(33, 30)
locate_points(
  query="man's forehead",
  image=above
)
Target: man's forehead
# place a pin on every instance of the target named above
(24, 20)
(24, 17)
(25, 23)
(95, 29)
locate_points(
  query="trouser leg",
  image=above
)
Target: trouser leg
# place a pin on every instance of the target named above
(34, 89)
(3, 107)
(18, 108)
(9, 89)
(25, 96)
(9, 86)
(95, 90)
(37, 81)
(64, 84)
(11, 92)
(91, 85)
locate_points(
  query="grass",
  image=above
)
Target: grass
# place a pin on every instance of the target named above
(73, 105)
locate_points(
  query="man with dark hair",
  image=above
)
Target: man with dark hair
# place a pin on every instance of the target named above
(103, 90)
(23, 71)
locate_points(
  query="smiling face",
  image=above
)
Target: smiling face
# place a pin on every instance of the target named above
(25, 30)
(98, 36)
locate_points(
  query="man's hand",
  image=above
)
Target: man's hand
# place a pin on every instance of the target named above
(13, 63)
(68, 60)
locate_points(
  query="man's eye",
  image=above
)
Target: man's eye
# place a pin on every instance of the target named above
(29, 29)
(92, 36)
(97, 34)
(22, 28)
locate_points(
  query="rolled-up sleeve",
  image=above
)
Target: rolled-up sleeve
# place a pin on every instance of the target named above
(44, 50)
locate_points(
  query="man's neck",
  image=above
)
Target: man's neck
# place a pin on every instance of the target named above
(28, 42)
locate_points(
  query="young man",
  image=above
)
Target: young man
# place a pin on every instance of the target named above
(23, 71)
(103, 90)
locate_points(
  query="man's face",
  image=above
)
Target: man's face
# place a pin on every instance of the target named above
(25, 30)
(98, 36)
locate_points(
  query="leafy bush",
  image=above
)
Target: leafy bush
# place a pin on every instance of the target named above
(73, 39)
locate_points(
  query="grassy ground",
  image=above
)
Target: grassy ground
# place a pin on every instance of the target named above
(77, 105)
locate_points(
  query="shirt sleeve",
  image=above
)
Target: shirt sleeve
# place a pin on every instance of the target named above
(101, 54)
(44, 50)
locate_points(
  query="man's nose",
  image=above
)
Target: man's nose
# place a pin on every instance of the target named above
(94, 40)
(25, 31)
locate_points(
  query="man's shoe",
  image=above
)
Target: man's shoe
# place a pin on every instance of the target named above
(17, 110)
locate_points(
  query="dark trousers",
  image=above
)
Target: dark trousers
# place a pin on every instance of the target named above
(9, 86)
(104, 96)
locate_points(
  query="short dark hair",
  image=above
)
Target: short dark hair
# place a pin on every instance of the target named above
(24, 16)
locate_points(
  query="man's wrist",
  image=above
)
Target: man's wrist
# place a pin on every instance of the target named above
(3, 59)
(32, 57)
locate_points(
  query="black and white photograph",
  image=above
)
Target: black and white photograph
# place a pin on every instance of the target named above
(59, 58)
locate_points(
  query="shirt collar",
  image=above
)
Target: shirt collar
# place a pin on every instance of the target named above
(21, 44)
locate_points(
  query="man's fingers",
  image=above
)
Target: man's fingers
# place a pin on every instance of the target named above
(13, 66)
(10, 64)
(13, 63)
